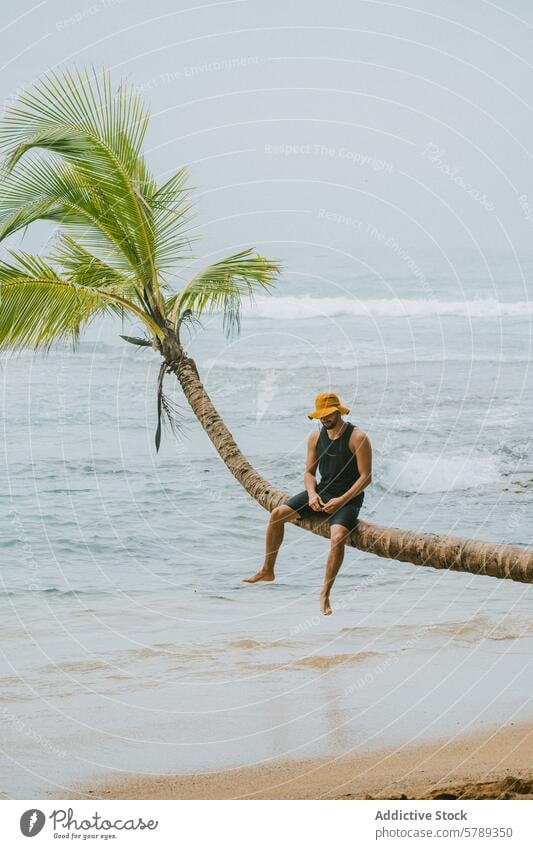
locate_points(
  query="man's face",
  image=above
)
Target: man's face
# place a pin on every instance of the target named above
(330, 421)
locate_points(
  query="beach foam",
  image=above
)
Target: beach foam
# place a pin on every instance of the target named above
(320, 661)
(349, 361)
(305, 306)
(425, 473)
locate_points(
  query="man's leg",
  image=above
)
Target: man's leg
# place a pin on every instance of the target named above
(338, 534)
(274, 538)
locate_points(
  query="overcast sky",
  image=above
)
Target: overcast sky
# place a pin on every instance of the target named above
(320, 132)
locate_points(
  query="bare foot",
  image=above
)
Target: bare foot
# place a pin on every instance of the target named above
(325, 606)
(262, 575)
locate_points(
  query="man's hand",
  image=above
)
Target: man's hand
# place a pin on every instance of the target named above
(334, 504)
(316, 503)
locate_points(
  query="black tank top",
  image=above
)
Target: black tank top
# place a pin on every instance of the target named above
(337, 464)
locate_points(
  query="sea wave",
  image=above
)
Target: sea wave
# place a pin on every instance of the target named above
(318, 661)
(362, 360)
(483, 628)
(426, 473)
(292, 308)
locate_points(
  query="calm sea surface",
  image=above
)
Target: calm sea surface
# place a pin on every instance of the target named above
(129, 643)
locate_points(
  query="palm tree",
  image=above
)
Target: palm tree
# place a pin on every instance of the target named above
(73, 156)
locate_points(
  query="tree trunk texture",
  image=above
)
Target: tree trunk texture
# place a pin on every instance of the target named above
(438, 551)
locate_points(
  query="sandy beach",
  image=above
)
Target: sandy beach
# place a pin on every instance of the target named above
(488, 765)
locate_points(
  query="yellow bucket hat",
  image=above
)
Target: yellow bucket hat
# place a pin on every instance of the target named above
(326, 403)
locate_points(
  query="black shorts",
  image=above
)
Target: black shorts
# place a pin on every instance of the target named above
(345, 515)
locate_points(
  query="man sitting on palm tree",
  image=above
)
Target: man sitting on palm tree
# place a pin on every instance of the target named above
(343, 455)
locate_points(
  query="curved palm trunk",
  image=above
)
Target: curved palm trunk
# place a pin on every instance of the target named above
(440, 552)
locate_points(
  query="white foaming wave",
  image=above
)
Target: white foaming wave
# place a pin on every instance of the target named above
(292, 308)
(427, 473)
(364, 360)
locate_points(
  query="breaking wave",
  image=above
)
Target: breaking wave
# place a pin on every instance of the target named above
(438, 473)
(294, 308)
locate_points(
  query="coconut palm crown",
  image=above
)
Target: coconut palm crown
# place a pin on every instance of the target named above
(73, 150)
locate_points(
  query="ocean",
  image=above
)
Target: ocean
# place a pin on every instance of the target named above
(129, 642)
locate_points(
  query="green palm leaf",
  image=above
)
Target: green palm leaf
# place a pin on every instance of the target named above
(51, 189)
(100, 132)
(171, 209)
(72, 111)
(38, 306)
(84, 268)
(222, 286)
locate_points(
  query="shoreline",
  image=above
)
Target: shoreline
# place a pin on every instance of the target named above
(488, 764)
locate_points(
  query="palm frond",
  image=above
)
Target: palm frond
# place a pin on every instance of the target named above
(137, 340)
(99, 131)
(167, 410)
(39, 210)
(187, 319)
(83, 268)
(39, 306)
(51, 189)
(222, 286)
(99, 119)
(171, 209)
(172, 189)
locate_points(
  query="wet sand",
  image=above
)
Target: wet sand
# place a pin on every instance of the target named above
(487, 765)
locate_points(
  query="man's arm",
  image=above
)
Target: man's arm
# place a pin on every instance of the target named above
(311, 465)
(360, 445)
